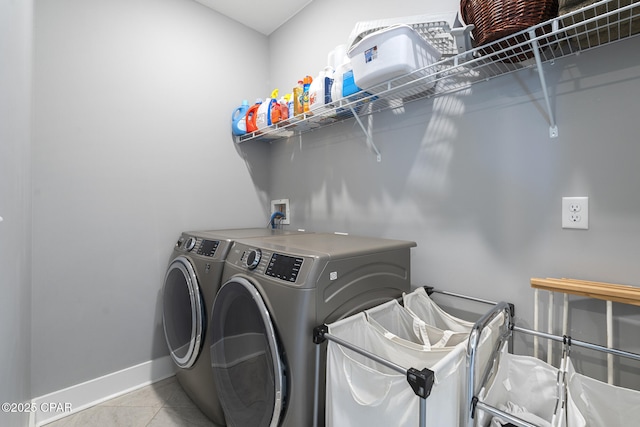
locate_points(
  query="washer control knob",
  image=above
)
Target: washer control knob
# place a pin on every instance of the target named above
(190, 244)
(253, 259)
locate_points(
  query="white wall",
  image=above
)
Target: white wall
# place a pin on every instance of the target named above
(15, 206)
(476, 181)
(131, 146)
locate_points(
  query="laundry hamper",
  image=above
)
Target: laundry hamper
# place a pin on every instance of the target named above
(420, 304)
(592, 403)
(361, 391)
(523, 386)
(400, 321)
(496, 19)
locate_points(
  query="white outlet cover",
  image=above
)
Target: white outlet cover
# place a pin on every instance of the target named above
(575, 212)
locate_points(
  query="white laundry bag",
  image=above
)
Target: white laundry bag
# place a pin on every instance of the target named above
(393, 318)
(361, 391)
(593, 403)
(420, 304)
(523, 386)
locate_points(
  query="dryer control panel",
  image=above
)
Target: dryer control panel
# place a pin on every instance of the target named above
(290, 268)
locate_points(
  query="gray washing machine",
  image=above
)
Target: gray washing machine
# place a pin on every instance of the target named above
(275, 291)
(192, 279)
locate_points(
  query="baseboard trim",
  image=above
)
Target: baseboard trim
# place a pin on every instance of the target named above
(61, 403)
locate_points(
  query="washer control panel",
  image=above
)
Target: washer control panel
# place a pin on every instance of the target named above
(208, 247)
(284, 267)
(202, 246)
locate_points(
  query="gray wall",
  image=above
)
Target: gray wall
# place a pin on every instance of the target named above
(131, 146)
(476, 181)
(15, 210)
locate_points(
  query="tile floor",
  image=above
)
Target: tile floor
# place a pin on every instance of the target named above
(162, 404)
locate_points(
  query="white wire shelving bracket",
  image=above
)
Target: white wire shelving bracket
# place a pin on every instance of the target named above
(599, 24)
(553, 128)
(367, 134)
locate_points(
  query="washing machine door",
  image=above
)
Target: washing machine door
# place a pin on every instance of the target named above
(245, 357)
(183, 314)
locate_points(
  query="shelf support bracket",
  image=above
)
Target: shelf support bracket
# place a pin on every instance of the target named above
(553, 127)
(367, 134)
(462, 37)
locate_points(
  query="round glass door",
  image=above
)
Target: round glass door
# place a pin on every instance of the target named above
(245, 357)
(183, 314)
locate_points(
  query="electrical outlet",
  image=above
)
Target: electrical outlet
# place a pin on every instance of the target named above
(282, 206)
(575, 212)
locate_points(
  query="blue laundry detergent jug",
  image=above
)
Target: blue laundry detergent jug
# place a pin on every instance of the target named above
(239, 119)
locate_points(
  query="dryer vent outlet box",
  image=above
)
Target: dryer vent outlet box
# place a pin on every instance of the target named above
(282, 206)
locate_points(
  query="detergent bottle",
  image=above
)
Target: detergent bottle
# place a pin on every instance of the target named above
(252, 116)
(337, 56)
(320, 89)
(239, 119)
(283, 105)
(340, 62)
(328, 83)
(297, 99)
(343, 84)
(338, 78)
(264, 113)
(306, 83)
(275, 111)
(314, 89)
(289, 98)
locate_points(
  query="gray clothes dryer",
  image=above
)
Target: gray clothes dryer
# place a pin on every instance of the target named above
(275, 291)
(191, 282)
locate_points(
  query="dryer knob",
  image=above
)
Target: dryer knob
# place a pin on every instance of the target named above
(191, 243)
(253, 259)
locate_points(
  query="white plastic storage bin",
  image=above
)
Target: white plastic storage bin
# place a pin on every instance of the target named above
(390, 53)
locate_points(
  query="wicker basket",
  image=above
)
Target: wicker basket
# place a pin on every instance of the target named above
(495, 19)
(598, 30)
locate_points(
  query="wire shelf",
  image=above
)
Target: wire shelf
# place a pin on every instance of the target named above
(598, 24)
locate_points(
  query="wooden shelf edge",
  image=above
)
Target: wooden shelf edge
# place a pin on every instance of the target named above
(605, 291)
